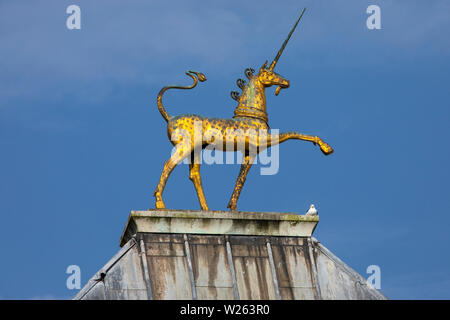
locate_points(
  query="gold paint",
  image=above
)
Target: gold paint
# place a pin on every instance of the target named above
(250, 117)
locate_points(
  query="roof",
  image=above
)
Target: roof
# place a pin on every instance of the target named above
(199, 266)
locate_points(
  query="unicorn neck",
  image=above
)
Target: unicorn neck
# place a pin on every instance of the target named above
(253, 101)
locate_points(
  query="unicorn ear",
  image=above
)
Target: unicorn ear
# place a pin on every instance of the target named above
(263, 66)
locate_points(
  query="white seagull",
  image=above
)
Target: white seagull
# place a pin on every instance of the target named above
(312, 211)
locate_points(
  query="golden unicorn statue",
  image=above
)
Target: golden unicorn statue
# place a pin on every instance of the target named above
(249, 120)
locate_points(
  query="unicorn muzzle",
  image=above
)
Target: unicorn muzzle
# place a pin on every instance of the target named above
(283, 85)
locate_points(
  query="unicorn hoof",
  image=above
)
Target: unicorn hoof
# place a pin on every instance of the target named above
(159, 203)
(325, 148)
(232, 206)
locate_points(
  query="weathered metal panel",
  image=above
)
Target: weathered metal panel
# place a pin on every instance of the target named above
(144, 266)
(251, 263)
(334, 283)
(125, 280)
(96, 292)
(272, 269)
(232, 270)
(338, 281)
(95, 288)
(168, 269)
(212, 274)
(293, 266)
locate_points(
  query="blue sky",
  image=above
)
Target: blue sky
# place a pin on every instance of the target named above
(82, 142)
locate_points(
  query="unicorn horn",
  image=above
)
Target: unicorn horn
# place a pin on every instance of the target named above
(274, 62)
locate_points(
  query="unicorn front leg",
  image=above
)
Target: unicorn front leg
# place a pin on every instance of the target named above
(279, 138)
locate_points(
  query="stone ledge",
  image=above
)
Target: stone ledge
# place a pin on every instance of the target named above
(218, 222)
